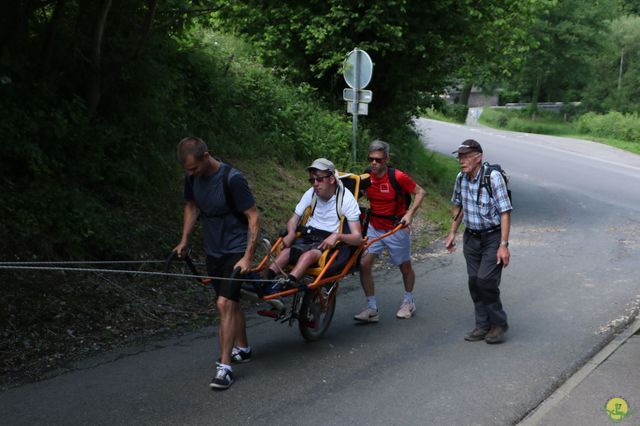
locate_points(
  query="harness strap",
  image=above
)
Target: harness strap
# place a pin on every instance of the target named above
(339, 200)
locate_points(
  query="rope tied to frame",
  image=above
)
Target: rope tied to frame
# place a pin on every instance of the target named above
(58, 266)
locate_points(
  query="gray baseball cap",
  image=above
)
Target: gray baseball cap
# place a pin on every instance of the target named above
(322, 164)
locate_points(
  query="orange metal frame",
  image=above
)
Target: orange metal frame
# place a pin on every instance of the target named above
(320, 279)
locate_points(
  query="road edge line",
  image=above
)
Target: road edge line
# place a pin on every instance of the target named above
(536, 416)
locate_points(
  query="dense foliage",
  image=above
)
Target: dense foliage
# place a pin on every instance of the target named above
(417, 47)
(566, 38)
(92, 174)
(616, 82)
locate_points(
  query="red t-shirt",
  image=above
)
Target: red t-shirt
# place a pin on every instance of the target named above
(383, 200)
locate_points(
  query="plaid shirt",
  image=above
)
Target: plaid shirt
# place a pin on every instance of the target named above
(484, 214)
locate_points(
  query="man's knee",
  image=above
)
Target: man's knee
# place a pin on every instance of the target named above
(366, 263)
(488, 290)
(225, 305)
(308, 258)
(473, 289)
(406, 268)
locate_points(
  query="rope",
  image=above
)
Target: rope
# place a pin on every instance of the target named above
(122, 271)
(88, 262)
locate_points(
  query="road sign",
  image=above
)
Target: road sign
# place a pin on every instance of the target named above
(363, 109)
(357, 69)
(363, 95)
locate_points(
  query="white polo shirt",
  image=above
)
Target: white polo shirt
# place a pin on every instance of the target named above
(324, 216)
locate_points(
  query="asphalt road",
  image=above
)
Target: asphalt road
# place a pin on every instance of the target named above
(572, 279)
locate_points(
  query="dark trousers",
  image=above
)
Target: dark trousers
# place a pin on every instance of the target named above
(484, 278)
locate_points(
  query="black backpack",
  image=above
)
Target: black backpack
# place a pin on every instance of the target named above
(400, 193)
(485, 180)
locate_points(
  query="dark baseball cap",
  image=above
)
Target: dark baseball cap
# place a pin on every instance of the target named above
(467, 146)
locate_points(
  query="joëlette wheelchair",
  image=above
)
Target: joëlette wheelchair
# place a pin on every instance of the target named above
(313, 303)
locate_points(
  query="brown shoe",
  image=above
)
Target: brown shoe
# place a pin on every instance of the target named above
(476, 335)
(496, 334)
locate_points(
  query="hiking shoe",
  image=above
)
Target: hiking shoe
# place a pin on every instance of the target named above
(406, 310)
(223, 378)
(239, 356)
(496, 334)
(476, 335)
(367, 315)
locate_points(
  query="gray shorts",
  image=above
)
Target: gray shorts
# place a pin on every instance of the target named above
(398, 244)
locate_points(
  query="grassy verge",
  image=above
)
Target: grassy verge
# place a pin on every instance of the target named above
(549, 124)
(449, 113)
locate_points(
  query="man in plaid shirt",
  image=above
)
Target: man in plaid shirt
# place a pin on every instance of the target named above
(487, 220)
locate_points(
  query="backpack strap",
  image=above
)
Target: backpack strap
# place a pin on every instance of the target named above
(394, 182)
(459, 194)
(339, 199)
(485, 181)
(226, 187)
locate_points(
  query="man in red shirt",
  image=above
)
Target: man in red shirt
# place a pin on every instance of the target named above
(388, 208)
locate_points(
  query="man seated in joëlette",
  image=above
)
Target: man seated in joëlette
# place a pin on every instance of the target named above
(323, 225)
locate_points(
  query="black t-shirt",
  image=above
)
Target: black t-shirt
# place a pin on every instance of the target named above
(223, 232)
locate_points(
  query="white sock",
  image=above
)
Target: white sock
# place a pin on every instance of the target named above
(245, 350)
(408, 296)
(228, 367)
(371, 302)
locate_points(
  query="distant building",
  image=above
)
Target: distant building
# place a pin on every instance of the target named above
(476, 98)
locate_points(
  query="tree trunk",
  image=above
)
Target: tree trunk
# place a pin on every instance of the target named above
(146, 26)
(620, 70)
(93, 88)
(466, 93)
(534, 100)
(50, 38)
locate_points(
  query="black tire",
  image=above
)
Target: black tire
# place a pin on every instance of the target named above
(314, 319)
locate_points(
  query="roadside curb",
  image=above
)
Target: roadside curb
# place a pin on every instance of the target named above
(536, 416)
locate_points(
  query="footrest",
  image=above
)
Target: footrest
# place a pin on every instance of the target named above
(275, 314)
(269, 313)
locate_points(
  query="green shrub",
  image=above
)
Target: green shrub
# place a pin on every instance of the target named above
(457, 112)
(442, 111)
(495, 117)
(508, 96)
(615, 125)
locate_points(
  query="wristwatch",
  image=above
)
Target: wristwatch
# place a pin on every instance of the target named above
(504, 243)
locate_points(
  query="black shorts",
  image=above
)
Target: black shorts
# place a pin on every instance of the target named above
(223, 267)
(303, 244)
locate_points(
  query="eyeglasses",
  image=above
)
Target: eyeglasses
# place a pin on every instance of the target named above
(376, 160)
(318, 179)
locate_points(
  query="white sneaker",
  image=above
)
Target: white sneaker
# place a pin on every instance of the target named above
(367, 315)
(406, 310)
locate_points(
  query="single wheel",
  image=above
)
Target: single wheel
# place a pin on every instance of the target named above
(316, 311)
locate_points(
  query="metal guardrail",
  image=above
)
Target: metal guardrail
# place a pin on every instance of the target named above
(552, 106)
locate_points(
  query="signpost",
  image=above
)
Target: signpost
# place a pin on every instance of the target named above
(364, 96)
(357, 70)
